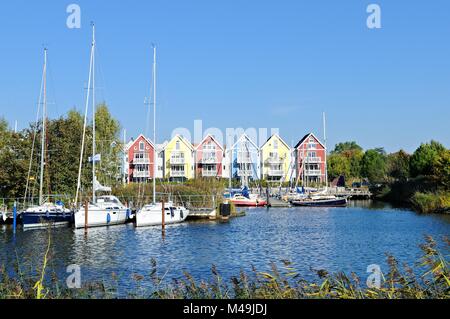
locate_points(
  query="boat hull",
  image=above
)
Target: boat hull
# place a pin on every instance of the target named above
(42, 220)
(340, 202)
(100, 217)
(153, 217)
(249, 203)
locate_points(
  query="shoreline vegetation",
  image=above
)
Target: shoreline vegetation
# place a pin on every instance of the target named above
(429, 279)
(420, 180)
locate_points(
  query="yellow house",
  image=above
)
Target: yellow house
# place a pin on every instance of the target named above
(178, 159)
(276, 159)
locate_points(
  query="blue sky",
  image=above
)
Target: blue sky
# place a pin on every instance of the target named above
(263, 64)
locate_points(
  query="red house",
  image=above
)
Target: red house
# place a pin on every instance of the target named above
(208, 158)
(310, 158)
(141, 155)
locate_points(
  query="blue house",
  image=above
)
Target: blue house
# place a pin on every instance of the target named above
(245, 160)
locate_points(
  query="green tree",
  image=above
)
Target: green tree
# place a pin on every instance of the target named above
(338, 165)
(347, 146)
(108, 145)
(373, 165)
(398, 165)
(425, 158)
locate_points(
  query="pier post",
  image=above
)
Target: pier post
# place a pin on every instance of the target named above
(163, 224)
(86, 210)
(14, 217)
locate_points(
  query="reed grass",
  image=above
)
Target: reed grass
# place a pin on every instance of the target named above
(429, 279)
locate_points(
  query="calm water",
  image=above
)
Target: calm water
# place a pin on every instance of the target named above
(347, 239)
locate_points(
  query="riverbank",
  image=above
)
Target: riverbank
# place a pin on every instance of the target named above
(430, 281)
(422, 194)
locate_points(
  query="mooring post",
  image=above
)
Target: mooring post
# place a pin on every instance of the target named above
(86, 210)
(14, 217)
(267, 195)
(163, 223)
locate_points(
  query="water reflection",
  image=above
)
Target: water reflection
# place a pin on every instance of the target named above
(335, 239)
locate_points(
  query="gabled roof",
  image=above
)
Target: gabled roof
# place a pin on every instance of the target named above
(244, 136)
(204, 139)
(276, 135)
(182, 139)
(306, 137)
(131, 143)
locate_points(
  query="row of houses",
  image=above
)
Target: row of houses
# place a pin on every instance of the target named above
(179, 160)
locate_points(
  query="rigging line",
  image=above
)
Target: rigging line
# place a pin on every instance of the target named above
(84, 128)
(34, 138)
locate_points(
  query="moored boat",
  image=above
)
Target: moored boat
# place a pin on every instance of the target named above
(105, 211)
(251, 201)
(321, 201)
(151, 215)
(47, 214)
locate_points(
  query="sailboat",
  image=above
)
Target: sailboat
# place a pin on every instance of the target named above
(102, 210)
(152, 214)
(46, 213)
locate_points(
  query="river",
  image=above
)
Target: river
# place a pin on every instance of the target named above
(336, 239)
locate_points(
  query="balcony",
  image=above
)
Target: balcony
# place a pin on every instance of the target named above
(313, 172)
(244, 173)
(209, 173)
(177, 160)
(209, 158)
(244, 158)
(141, 161)
(141, 174)
(313, 160)
(177, 173)
(274, 160)
(275, 172)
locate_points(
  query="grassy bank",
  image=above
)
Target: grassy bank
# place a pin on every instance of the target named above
(430, 279)
(422, 194)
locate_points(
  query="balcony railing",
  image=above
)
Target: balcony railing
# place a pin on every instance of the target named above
(313, 172)
(208, 173)
(177, 173)
(141, 174)
(313, 159)
(244, 158)
(274, 160)
(275, 172)
(243, 173)
(177, 160)
(141, 161)
(209, 159)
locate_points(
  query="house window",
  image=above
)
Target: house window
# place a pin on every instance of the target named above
(177, 146)
(141, 146)
(275, 144)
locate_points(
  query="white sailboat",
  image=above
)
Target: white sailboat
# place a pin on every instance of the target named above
(152, 214)
(45, 213)
(102, 210)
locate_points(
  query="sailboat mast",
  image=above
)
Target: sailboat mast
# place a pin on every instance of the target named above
(326, 151)
(44, 116)
(155, 154)
(93, 113)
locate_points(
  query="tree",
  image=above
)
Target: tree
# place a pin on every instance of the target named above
(373, 165)
(107, 130)
(346, 160)
(338, 165)
(441, 170)
(347, 146)
(398, 165)
(425, 158)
